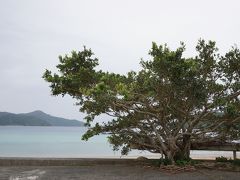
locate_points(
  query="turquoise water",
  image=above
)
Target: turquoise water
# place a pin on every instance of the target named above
(34, 141)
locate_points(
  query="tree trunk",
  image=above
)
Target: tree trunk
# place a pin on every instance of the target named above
(186, 146)
(170, 157)
(172, 149)
(175, 152)
(184, 152)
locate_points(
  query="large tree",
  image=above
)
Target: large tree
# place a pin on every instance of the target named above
(170, 103)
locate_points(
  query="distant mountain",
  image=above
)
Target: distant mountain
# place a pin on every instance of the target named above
(35, 118)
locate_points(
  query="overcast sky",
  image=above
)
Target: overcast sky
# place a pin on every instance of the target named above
(34, 33)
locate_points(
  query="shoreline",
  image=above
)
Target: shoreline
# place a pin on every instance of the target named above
(93, 160)
(195, 154)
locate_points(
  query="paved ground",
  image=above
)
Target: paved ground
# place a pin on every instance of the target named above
(107, 172)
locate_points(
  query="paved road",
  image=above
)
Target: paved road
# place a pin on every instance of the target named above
(107, 172)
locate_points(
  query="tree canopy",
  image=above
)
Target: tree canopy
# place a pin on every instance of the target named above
(171, 103)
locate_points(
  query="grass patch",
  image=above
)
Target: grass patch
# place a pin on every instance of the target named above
(222, 159)
(165, 162)
(186, 162)
(235, 162)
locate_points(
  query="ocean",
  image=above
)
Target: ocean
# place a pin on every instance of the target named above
(65, 142)
(62, 142)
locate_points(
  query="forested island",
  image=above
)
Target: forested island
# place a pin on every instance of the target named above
(35, 118)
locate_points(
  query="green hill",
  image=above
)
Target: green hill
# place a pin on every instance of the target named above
(35, 118)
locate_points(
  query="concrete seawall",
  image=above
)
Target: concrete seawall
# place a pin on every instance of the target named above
(63, 161)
